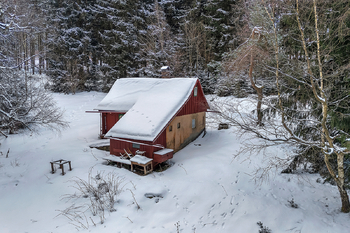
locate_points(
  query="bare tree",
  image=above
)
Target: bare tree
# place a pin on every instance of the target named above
(195, 44)
(26, 104)
(319, 88)
(281, 126)
(244, 58)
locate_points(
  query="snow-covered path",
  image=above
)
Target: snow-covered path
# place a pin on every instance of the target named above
(205, 190)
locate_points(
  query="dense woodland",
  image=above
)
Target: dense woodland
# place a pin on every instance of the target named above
(293, 55)
(87, 45)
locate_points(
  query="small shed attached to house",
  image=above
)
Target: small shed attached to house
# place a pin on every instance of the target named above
(158, 116)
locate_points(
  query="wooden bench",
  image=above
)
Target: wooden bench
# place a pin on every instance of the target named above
(117, 159)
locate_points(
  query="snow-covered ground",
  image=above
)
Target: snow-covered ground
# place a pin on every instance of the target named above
(206, 189)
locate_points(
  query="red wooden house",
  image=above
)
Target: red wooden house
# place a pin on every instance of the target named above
(158, 116)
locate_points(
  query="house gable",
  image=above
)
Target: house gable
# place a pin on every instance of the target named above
(189, 113)
(154, 107)
(194, 104)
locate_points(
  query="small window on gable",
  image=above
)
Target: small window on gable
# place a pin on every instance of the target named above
(120, 116)
(170, 128)
(178, 125)
(136, 146)
(193, 123)
(195, 91)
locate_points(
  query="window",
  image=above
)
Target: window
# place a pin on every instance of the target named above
(120, 116)
(136, 146)
(178, 125)
(170, 128)
(195, 92)
(193, 123)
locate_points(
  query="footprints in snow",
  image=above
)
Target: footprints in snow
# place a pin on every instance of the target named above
(219, 212)
(176, 199)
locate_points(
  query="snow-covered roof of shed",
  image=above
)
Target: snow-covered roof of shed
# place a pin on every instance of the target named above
(149, 103)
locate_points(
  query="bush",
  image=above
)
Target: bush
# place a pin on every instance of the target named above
(102, 190)
(25, 103)
(263, 229)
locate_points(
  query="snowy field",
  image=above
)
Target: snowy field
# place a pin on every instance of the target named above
(206, 190)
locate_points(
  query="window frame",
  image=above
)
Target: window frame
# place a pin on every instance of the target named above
(195, 91)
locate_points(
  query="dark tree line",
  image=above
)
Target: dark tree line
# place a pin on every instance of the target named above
(87, 45)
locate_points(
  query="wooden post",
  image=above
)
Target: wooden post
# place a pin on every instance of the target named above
(62, 167)
(52, 168)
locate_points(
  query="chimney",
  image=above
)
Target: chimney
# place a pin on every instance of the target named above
(165, 71)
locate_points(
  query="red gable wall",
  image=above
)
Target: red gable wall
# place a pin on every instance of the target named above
(108, 120)
(195, 103)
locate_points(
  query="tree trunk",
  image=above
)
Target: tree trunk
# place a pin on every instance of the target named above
(316, 86)
(32, 54)
(258, 91)
(339, 180)
(25, 51)
(41, 52)
(258, 107)
(345, 204)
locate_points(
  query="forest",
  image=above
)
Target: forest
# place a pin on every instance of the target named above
(293, 55)
(87, 45)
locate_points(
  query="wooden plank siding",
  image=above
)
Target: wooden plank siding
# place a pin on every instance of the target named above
(178, 138)
(117, 146)
(194, 108)
(195, 104)
(108, 120)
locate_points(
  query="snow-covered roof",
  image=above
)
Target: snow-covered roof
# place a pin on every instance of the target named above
(140, 159)
(149, 103)
(164, 151)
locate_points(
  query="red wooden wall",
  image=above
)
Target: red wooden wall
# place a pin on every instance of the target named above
(108, 120)
(117, 146)
(195, 103)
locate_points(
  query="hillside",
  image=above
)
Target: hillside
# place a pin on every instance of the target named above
(205, 190)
